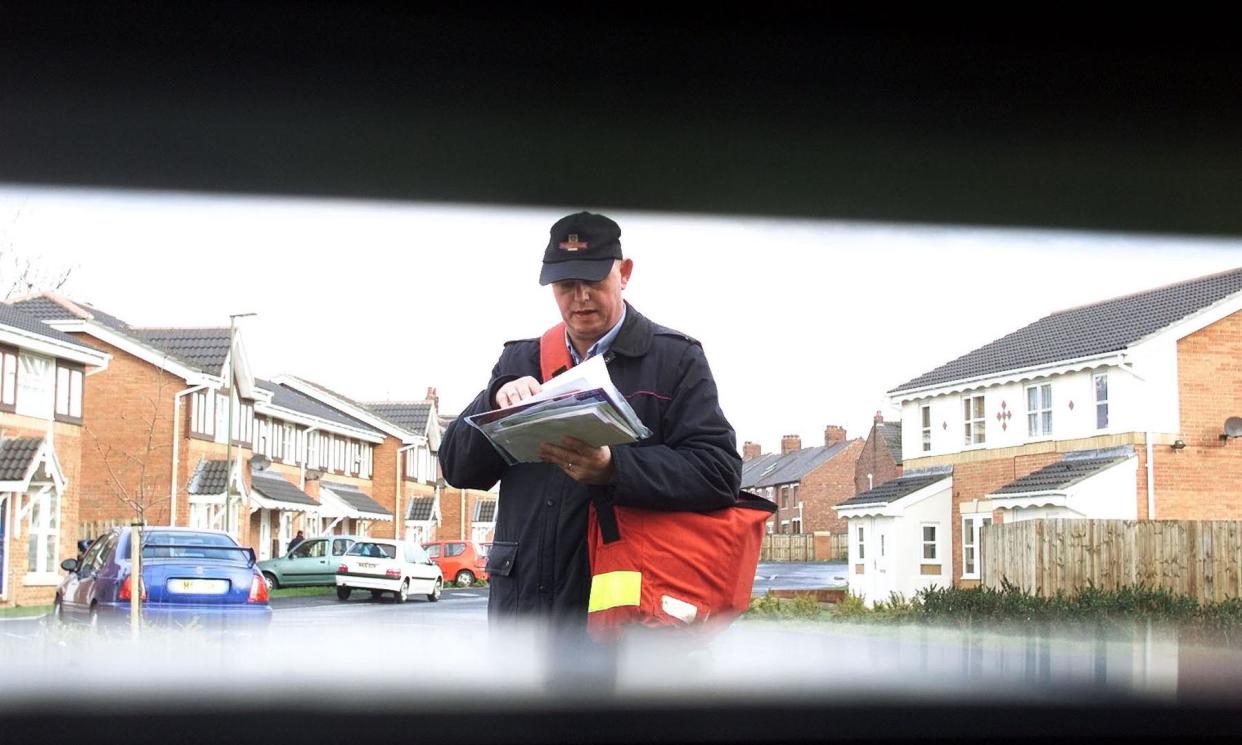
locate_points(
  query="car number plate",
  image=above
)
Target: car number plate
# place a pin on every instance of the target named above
(198, 586)
(366, 565)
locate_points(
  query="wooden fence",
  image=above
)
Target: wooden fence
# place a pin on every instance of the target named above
(1202, 559)
(96, 528)
(802, 547)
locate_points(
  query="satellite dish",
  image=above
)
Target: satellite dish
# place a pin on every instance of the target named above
(1233, 426)
(260, 462)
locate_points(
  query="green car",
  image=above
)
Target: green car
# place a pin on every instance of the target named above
(311, 562)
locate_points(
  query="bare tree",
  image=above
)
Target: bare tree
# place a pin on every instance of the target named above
(23, 273)
(129, 469)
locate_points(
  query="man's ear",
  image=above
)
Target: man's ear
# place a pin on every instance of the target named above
(627, 267)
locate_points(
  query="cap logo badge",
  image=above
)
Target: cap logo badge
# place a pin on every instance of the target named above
(573, 244)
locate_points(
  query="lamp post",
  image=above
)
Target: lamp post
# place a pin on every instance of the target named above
(231, 525)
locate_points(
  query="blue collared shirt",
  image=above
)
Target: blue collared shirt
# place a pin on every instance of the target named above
(600, 347)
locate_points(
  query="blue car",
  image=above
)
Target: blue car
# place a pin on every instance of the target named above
(189, 577)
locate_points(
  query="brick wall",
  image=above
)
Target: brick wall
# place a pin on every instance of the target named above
(383, 486)
(1201, 482)
(876, 459)
(825, 487)
(127, 430)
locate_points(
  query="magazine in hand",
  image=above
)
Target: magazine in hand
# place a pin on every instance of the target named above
(581, 402)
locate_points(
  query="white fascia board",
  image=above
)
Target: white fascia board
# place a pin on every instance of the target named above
(146, 353)
(875, 509)
(1027, 500)
(242, 372)
(1005, 377)
(405, 436)
(322, 425)
(52, 348)
(1196, 321)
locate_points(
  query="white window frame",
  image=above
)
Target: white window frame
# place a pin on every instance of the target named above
(203, 413)
(971, 523)
(861, 542)
(925, 421)
(45, 506)
(69, 383)
(1039, 419)
(1101, 405)
(974, 420)
(934, 543)
(8, 378)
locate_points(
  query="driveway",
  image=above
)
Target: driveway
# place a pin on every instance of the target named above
(781, 575)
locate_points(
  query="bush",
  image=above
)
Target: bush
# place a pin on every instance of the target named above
(799, 606)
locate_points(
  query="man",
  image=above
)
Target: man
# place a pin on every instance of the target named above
(538, 561)
(297, 540)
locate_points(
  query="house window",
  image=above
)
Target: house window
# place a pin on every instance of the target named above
(793, 494)
(43, 533)
(882, 552)
(926, 417)
(970, 543)
(797, 525)
(929, 543)
(862, 543)
(243, 423)
(203, 413)
(1101, 401)
(69, 392)
(8, 378)
(975, 419)
(1039, 410)
(784, 496)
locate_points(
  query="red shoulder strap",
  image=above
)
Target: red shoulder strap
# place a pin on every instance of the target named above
(554, 356)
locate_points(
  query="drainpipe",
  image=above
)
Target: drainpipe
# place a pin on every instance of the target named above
(176, 452)
(398, 518)
(1151, 482)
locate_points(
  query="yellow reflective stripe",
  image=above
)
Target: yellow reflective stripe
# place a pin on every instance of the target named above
(615, 589)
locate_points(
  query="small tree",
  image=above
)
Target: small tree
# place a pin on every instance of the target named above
(23, 273)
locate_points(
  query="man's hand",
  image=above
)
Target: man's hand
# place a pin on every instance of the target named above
(516, 391)
(584, 463)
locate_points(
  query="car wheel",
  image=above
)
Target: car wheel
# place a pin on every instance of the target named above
(404, 593)
(342, 593)
(464, 578)
(434, 595)
(58, 611)
(272, 582)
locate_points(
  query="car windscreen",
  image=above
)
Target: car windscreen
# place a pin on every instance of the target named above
(373, 550)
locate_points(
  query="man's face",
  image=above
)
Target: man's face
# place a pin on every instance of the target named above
(590, 309)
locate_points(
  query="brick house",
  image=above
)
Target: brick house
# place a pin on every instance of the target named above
(158, 442)
(805, 483)
(469, 514)
(880, 459)
(43, 375)
(1115, 409)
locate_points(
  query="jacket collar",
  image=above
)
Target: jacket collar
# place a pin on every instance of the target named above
(634, 338)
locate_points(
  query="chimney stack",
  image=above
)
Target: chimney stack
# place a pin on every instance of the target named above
(833, 435)
(790, 444)
(751, 450)
(879, 418)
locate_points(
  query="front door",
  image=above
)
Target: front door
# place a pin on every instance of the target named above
(265, 535)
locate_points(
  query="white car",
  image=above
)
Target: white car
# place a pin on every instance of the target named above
(381, 565)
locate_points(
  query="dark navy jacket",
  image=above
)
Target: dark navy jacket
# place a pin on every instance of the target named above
(538, 560)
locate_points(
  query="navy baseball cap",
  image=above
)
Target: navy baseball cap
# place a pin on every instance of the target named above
(581, 246)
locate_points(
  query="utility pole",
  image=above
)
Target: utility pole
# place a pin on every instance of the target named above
(232, 521)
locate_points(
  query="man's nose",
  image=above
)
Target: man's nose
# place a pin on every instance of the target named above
(582, 292)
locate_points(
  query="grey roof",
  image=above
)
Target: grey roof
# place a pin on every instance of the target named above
(421, 508)
(1070, 470)
(354, 497)
(289, 398)
(1108, 326)
(16, 456)
(274, 486)
(16, 317)
(902, 486)
(203, 349)
(485, 511)
(210, 477)
(409, 415)
(891, 432)
(48, 309)
(784, 469)
(755, 466)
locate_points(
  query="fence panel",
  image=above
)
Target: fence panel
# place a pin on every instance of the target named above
(796, 547)
(1202, 559)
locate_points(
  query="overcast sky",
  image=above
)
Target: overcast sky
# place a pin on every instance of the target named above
(805, 323)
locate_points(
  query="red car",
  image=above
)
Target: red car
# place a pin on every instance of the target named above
(461, 562)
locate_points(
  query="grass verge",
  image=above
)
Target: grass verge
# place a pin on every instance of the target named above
(25, 611)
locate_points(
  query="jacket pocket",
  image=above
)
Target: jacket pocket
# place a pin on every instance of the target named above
(501, 558)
